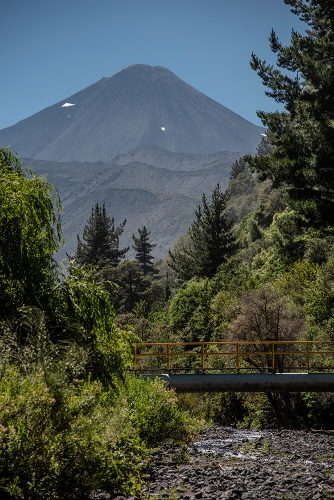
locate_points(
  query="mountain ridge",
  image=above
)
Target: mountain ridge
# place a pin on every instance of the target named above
(162, 199)
(141, 105)
(160, 157)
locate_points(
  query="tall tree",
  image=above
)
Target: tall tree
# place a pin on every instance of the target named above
(30, 233)
(143, 249)
(302, 136)
(101, 238)
(237, 168)
(264, 148)
(212, 240)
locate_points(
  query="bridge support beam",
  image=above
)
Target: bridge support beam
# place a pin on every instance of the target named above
(251, 382)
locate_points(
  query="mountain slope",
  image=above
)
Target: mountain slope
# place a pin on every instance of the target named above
(140, 105)
(162, 199)
(160, 157)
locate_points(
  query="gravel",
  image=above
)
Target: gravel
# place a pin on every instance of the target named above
(227, 463)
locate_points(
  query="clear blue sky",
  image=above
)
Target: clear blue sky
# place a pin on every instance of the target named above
(50, 49)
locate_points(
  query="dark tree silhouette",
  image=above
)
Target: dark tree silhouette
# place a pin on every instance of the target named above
(143, 249)
(101, 239)
(212, 240)
(237, 168)
(302, 135)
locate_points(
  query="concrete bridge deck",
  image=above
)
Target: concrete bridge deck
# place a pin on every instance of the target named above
(262, 366)
(251, 382)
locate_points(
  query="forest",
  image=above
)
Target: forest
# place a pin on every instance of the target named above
(257, 263)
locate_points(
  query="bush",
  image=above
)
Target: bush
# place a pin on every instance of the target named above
(227, 408)
(61, 445)
(154, 413)
(189, 311)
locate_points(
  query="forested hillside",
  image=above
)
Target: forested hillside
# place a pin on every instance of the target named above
(255, 264)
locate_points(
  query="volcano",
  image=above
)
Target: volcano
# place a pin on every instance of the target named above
(139, 106)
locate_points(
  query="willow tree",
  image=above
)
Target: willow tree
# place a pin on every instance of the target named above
(30, 233)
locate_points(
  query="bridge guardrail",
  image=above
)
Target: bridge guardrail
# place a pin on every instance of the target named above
(260, 356)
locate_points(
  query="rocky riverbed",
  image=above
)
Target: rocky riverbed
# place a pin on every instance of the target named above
(227, 463)
(232, 464)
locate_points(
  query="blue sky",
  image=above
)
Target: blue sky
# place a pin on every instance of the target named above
(50, 49)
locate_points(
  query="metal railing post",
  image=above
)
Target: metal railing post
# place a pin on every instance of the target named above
(285, 348)
(168, 357)
(203, 357)
(238, 357)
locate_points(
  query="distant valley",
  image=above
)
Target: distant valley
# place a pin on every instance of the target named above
(163, 199)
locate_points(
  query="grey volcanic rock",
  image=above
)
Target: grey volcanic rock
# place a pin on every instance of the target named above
(294, 465)
(140, 105)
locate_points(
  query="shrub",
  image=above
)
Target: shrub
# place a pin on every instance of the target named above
(227, 408)
(154, 413)
(61, 445)
(189, 311)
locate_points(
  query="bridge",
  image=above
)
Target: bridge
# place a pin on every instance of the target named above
(252, 366)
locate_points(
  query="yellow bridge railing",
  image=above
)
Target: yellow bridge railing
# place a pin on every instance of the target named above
(264, 356)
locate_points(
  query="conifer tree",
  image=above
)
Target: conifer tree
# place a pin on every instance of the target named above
(237, 168)
(212, 240)
(101, 239)
(264, 148)
(143, 249)
(302, 136)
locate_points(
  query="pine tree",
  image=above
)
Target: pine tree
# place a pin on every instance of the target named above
(101, 238)
(302, 136)
(143, 249)
(212, 240)
(237, 168)
(264, 148)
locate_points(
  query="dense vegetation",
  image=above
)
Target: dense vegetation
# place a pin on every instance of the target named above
(256, 264)
(268, 276)
(71, 420)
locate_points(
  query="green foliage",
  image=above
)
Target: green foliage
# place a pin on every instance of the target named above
(320, 409)
(258, 412)
(302, 136)
(227, 408)
(264, 148)
(129, 287)
(102, 240)
(238, 167)
(125, 283)
(244, 195)
(29, 234)
(63, 434)
(143, 249)
(319, 303)
(297, 281)
(65, 430)
(83, 311)
(57, 444)
(189, 311)
(284, 232)
(212, 240)
(153, 411)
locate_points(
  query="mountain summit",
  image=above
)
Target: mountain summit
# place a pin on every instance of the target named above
(140, 105)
